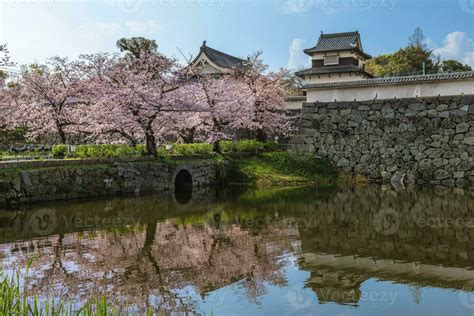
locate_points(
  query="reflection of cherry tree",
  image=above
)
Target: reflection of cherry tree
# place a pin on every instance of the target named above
(166, 265)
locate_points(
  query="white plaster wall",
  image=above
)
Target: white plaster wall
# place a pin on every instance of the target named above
(294, 104)
(342, 54)
(446, 88)
(331, 78)
(207, 69)
(205, 66)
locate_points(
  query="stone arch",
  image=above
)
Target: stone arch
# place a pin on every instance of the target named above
(183, 184)
(183, 178)
(183, 170)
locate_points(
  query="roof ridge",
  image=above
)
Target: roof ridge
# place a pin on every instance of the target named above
(339, 34)
(220, 52)
(393, 80)
(464, 73)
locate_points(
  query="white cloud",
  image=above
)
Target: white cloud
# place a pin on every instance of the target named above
(97, 30)
(297, 57)
(456, 45)
(143, 27)
(297, 6)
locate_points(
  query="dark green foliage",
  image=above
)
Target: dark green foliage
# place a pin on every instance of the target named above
(186, 149)
(411, 60)
(450, 65)
(60, 150)
(107, 151)
(137, 45)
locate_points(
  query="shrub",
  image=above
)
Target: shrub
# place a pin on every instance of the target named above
(186, 149)
(107, 151)
(272, 146)
(247, 146)
(60, 150)
(227, 146)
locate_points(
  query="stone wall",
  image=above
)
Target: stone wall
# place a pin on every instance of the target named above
(429, 140)
(31, 182)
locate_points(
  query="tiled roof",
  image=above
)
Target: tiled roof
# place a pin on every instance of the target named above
(221, 59)
(393, 81)
(329, 70)
(337, 42)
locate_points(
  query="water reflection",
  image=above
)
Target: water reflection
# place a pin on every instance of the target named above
(238, 250)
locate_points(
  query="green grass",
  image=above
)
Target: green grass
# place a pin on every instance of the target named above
(281, 168)
(15, 300)
(92, 151)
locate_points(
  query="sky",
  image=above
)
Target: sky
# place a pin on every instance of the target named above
(37, 29)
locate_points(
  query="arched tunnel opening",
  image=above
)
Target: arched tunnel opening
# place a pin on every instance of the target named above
(183, 187)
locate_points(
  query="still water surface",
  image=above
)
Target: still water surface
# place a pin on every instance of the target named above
(234, 251)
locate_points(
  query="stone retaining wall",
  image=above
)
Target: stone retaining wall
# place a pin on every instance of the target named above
(428, 140)
(31, 182)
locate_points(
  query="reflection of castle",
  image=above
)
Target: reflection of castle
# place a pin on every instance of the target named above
(336, 287)
(212, 243)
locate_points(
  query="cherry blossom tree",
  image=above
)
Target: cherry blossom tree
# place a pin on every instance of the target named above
(266, 90)
(223, 105)
(4, 61)
(46, 100)
(4, 55)
(133, 90)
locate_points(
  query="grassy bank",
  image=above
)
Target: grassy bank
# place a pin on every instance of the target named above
(282, 168)
(15, 300)
(253, 162)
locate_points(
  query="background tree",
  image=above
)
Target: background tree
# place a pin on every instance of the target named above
(451, 65)
(293, 84)
(4, 61)
(4, 55)
(406, 61)
(418, 39)
(136, 46)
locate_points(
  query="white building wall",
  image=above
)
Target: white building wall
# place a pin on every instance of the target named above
(342, 54)
(295, 102)
(442, 88)
(310, 79)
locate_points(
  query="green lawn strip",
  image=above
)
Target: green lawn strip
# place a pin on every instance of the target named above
(281, 168)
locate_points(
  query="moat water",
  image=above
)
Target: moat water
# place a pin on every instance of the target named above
(234, 251)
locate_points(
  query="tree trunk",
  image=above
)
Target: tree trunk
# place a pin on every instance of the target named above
(150, 141)
(62, 135)
(216, 147)
(260, 135)
(188, 136)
